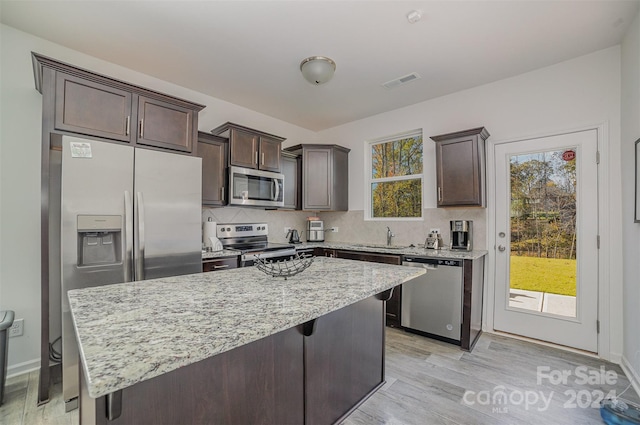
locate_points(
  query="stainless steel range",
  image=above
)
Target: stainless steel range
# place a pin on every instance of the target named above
(251, 240)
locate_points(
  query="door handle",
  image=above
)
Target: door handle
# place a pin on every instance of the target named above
(276, 186)
(128, 238)
(140, 253)
(501, 248)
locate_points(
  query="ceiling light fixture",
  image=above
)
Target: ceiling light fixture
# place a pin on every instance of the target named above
(317, 69)
(414, 16)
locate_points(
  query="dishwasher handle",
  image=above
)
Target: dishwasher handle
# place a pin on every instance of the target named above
(430, 263)
(428, 266)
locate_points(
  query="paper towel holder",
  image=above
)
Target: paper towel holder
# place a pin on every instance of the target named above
(208, 231)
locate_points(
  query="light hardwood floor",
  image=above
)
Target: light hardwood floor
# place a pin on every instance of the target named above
(429, 382)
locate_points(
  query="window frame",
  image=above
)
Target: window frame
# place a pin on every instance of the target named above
(369, 180)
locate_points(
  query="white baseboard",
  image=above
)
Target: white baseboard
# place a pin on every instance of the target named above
(631, 374)
(22, 368)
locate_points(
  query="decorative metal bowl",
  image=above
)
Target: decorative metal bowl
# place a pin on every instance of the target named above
(284, 268)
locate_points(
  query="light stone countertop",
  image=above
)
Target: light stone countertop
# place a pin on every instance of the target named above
(399, 250)
(131, 332)
(208, 255)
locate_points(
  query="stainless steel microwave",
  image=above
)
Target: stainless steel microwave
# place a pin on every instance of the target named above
(255, 188)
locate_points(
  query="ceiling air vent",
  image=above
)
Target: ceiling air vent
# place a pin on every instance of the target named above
(402, 80)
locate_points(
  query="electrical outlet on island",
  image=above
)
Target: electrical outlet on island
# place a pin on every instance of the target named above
(17, 329)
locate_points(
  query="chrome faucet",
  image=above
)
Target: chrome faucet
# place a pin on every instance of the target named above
(389, 236)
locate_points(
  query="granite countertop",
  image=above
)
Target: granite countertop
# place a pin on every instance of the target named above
(399, 250)
(131, 332)
(208, 255)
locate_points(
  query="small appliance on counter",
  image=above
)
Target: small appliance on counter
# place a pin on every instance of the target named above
(461, 235)
(315, 231)
(209, 239)
(293, 236)
(434, 241)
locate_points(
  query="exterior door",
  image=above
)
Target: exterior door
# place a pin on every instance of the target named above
(547, 239)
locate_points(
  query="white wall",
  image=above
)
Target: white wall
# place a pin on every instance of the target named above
(20, 139)
(630, 131)
(582, 92)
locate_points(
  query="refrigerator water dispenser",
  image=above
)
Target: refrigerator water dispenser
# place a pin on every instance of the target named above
(99, 240)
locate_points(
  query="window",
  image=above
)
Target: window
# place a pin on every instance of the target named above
(394, 177)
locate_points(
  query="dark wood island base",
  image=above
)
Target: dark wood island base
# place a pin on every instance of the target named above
(314, 373)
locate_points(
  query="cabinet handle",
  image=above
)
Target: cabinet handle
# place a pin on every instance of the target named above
(262, 158)
(222, 266)
(222, 193)
(142, 128)
(128, 128)
(256, 157)
(439, 194)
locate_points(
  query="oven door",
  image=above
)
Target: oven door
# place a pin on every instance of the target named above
(256, 188)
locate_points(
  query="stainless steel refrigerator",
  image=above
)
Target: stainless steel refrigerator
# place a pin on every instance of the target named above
(125, 214)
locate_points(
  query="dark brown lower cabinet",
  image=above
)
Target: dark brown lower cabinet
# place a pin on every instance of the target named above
(344, 361)
(286, 378)
(219, 264)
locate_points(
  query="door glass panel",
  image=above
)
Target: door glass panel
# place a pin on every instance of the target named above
(543, 263)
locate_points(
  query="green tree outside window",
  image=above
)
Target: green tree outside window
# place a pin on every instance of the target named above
(396, 178)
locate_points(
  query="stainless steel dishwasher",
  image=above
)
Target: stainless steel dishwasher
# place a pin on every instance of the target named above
(432, 303)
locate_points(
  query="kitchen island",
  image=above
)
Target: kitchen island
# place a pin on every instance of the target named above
(235, 346)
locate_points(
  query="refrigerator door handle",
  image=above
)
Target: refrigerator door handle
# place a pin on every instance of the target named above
(140, 253)
(128, 238)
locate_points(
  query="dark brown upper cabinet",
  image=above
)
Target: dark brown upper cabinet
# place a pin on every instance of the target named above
(164, 125)
(82, 102)
(292, 170)
(92, 108)
(251, 148)
(213, 151)
(325, 177)
(460, 168)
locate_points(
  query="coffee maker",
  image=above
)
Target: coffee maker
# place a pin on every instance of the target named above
(461, 235)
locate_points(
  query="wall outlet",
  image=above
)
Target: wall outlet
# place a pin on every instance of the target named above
(286, 230)
(434, 230)
(17, 329)
(335, 229)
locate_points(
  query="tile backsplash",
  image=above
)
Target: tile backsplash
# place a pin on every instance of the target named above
(352, 226)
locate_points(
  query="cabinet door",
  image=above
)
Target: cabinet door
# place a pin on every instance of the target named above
(460, 167)
(291, 172)
(244, 148)
(344, 360)
(270, 154)
(214, 170)
(317, 180)
(87, 107)
(164, 125)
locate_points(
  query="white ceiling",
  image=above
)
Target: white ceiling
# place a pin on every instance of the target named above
(248, 52)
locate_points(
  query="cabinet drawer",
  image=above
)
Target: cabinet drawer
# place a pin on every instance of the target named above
(220, 264)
